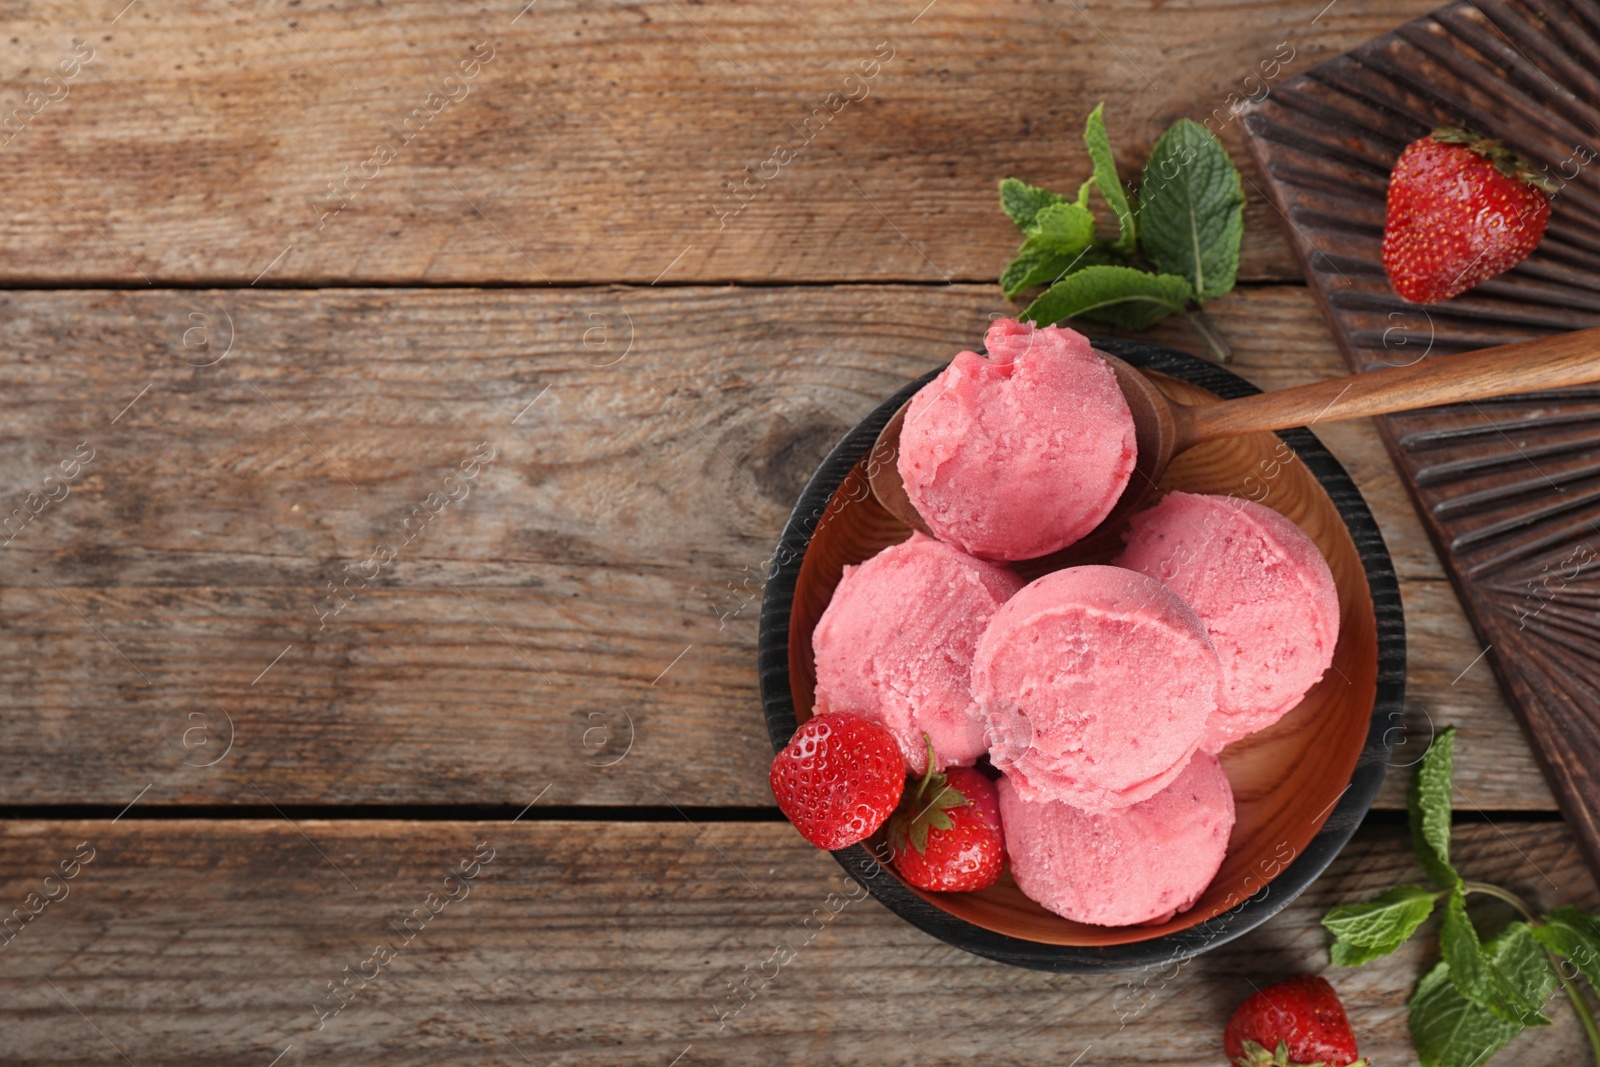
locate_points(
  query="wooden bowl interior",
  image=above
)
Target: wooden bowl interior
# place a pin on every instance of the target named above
(1286, 779)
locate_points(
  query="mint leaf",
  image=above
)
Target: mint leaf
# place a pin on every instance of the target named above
(1106, 179)
(1121, 296)
(1475, 973)
(1429, 801)
(1350, 954)
(1518, 958)
(1363, 932)
(1191, 209)
(1035, 266)
(1064, 228)
(1448, 1030)
(1022, 201)
(1575, 935)
(1060, 240)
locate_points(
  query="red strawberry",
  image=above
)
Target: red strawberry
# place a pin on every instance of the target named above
(946, 832)
(1462, 209)
(1297, 1022)
(838, 779)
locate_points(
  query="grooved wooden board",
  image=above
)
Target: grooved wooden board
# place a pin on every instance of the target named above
(1508, 489)
(199, 142)
(603, 570)
(209, 943)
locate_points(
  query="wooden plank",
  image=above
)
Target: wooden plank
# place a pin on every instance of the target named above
(595, 141)
(602, 571)
(214, 942)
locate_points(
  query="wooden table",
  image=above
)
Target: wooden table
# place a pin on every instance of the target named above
(474, 284)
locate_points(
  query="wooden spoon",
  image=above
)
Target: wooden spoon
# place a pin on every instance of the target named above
(1163, 428)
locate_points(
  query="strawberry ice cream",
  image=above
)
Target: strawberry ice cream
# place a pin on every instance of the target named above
(1021, 453)
(895, 645)
(1141, 864)
(1095, 684)
(1262, 589)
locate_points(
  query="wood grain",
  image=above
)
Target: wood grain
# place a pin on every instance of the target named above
(614, 546)
(577, 943)
(215, 143)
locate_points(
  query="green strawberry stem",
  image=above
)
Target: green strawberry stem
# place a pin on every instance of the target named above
(1208, 332)
(927, 775)
(1502, 158)
(1574, 994)
(913, 819)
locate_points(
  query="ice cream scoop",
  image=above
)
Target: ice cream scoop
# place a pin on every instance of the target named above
(1095, 685)
(895, 646)
(1163, 428)
(1261, 587)
(985, 438)
(1142, 864)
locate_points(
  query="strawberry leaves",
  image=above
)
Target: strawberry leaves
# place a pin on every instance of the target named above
(1504, 160)
(1186, 224)
(923, 809)
(1481, 994)
(1258, 1056)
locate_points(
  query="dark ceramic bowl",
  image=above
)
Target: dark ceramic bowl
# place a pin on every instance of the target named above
(1301, 787)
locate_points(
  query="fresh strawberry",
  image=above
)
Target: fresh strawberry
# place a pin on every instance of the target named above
(945, 835)
(1462, 209)
(1297, 1023)
(838, 779)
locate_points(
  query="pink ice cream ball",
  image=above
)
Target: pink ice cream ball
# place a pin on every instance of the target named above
(1022, 453)
(1261, 587)
(1095, 684)
(1137, 865)
(895, 645)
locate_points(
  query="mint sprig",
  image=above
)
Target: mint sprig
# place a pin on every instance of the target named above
(1177, 242)
(1480, 994)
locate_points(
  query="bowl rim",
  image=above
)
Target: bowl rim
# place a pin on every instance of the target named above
(1386, 721)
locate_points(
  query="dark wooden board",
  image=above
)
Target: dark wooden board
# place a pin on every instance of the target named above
(199, 143)
(208, 943)
(1508, 490)
(627, 518)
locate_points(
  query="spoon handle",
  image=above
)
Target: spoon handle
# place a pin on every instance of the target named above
(1526, 366)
